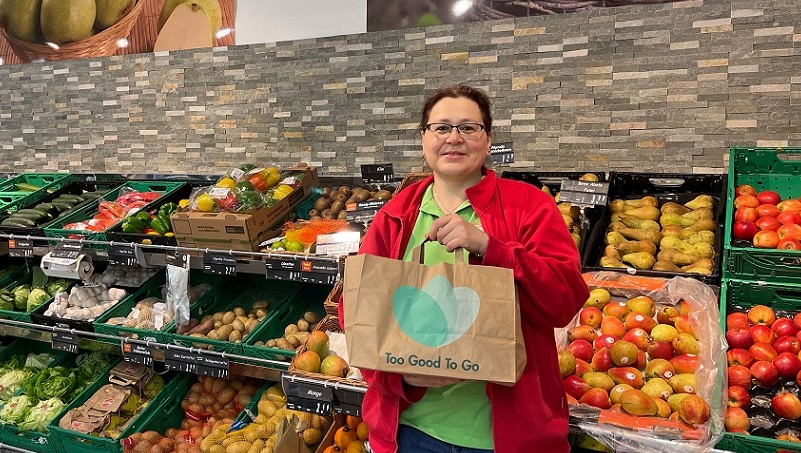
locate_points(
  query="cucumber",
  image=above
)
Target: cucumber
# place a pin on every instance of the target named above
(18, 222)
(69, 196)
(49, 208)
(61, 199)
(25, 187)
(62, 206)
(90, 195)
(31, 214)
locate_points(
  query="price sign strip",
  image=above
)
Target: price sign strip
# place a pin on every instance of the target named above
(586, 193)
(302, 269)
(502, 153)
(364, 210)
(197, 363)
(320, 399)
(20, 248)
(122, 254)
(69, 250)
(64, 341)
(377, 173)
(137, 353)
(219, 264)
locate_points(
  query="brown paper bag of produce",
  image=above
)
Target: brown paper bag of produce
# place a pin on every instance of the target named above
(448, 320)
(288, 438)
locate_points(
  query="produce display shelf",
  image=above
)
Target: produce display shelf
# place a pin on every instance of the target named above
(678, 188)
(46, 182)
(776, 169)
(631, 438)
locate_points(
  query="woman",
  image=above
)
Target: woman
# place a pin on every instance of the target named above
(500, 223)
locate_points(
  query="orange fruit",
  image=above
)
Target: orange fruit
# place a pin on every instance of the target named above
(352, 421)
(362, 432)
(356, 446)
(344, 436)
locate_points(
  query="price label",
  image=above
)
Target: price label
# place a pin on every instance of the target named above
(219, 264)
(64, 341)
(68, 250)
(308, 397)
(304, 404)
(305, 270)
(197, 363)
(586, 193)
(122, 254)
(364, 210)
(184, 362)
(21, 248)
(502, 153)
(137, 353)
(348, 409)
(177, 259)
(338, 244)
(377, 173)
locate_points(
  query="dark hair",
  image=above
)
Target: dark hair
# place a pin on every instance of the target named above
(459, 91)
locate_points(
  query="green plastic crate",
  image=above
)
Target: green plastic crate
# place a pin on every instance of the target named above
(309, 298)
(24, 347)
(67, 441)
(55, 229)
(151, 289)
(738, 295)
(23, 316)
(242, 292)
(10, 274)
(11, 201)
(36, 440)
(47, 183)
(777, 169)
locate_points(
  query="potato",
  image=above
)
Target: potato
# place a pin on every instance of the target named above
(218, 324)
(293, 340)
(228, 317)
(303, 325)
(204, 319)
(239, 311)
(311, 316)
(261, 312)
(235, 336)
(302, 336)
(285, 345)
(225, 331)
(197, 335)
(258, 343)
(238, 325)
(261, 304)
(213, 335)
(272, 343)
(290, 329)
(243, 319)
(217, 316)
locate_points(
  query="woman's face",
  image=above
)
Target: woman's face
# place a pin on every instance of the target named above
(455, 155)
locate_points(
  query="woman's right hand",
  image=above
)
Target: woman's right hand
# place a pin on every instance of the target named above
(429, 381)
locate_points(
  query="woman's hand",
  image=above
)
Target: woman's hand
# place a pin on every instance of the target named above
(453, 232)
(429, 381)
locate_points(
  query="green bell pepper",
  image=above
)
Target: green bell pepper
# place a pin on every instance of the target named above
(132, 225)
(160, 226)
(166, 210)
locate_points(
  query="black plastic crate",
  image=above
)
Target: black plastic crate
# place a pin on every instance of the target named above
(678, 188)
(553, 181)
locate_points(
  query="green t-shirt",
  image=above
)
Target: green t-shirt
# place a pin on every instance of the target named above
(460, 413)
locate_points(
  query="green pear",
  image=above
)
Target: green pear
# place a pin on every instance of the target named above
(637, 402)
(703, 236)
(607, 261)
(676, 257)
(675, 208)
(683, 383)
(665, 266)
(67, 20)
(21, 19)
(639, 260)
(640, 235)
(657, 388)
(699, 213)
(637, 246)
(613, 238)
(644, 213)
(701, 201)
(619, 205)
(644, 201)
(109, 12)
(634, 222)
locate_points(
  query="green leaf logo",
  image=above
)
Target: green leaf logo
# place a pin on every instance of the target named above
(436, 315)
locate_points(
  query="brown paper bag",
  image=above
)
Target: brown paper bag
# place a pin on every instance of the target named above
(288, 437)
(448, 320)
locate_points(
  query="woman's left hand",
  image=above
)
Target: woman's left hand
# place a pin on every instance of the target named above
(453, 232)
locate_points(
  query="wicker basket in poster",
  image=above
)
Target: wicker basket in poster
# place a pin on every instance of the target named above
(102, 44)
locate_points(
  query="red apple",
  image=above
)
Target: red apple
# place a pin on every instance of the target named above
(767, 210)
(763, 351)
(739, 376)
(637, 336)
(765, 373)
(762, 333)
(739, 338)
(784, 327)
(789, 244)
(788, 365)
(746, 201)
(581, 349)
(591, 316)
(790, 205)
(789, 218)
(602, 360)
(660, 350)
(737, 320)
(768, 223)
(761, 314)
(768, 197)
(746, 215)
(766, 239)
(739, 397)
(739, 357)
(786, 405)
(787, 343)
(575, 386)
(789, 231)
(736, 419)
(685, 363)
(604, 341)
(597, 398)
(744, 189)
(744, 231)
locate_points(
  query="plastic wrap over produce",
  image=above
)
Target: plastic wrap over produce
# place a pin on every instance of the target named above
(654, 346)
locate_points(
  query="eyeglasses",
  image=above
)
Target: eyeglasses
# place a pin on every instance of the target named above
(469, 131)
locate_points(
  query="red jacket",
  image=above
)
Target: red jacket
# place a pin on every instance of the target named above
(526, 234)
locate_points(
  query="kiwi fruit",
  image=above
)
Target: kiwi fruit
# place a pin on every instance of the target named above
(341, 196)
(382, 195)
(336, 207)
(326, 213)
(313, 212)
(345, 189)
(321, 203)
(326, 191)
(363, 196)
(343, 215)
(315, 217)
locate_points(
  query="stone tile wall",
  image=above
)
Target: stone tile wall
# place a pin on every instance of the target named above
(658, 88)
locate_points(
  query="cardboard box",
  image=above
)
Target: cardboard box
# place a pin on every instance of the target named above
(239, 231)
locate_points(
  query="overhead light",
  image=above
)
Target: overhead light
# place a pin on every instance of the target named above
(122, 42)
(223, 32)
(53, 45)
(461, 7)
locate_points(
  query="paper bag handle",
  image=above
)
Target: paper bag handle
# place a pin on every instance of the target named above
(418, 253)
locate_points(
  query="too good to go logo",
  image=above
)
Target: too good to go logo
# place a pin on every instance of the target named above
(436, 315)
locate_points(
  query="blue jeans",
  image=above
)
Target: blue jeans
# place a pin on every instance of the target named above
(412, 440)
